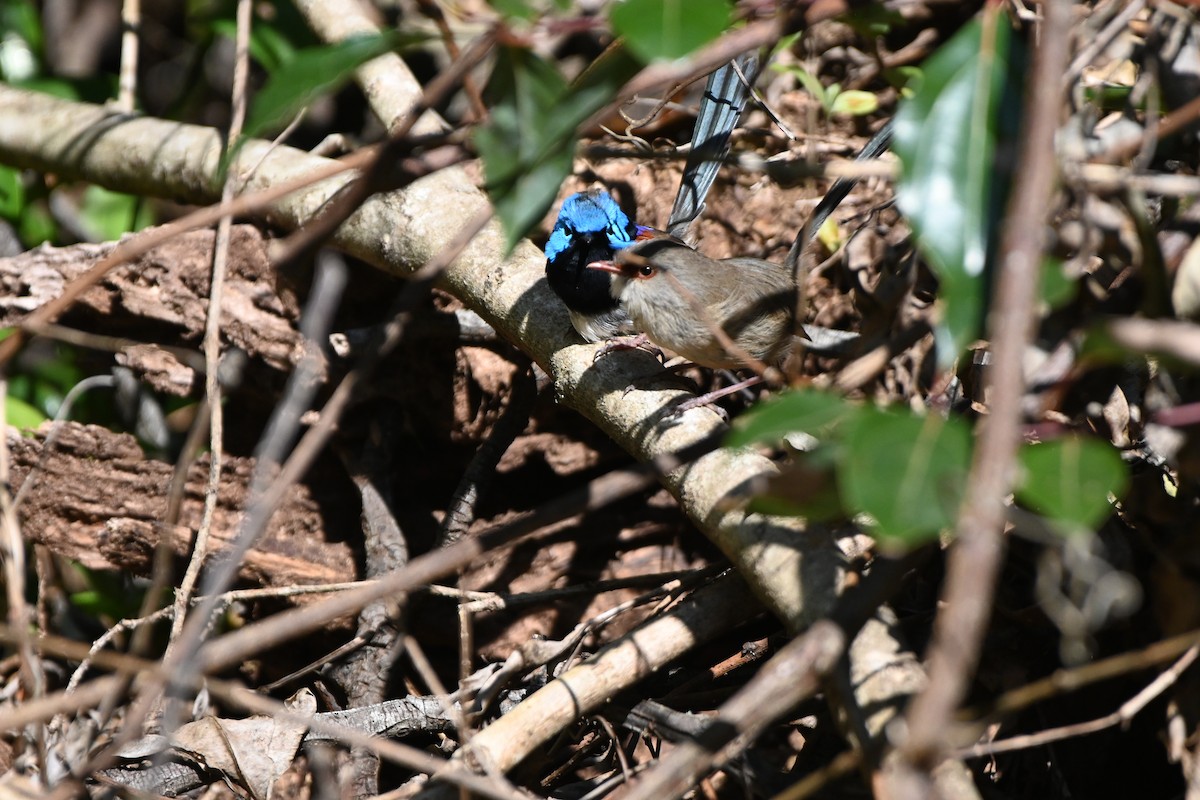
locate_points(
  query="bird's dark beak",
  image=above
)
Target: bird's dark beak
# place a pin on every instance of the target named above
(605, 266)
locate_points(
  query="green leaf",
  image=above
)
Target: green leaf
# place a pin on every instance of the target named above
(806, 487)
(20, 41)
(313, 72)
(22, 415)
(809, 81)
(1057, 287)
(802, 410)
(907, 472)
(12, 193)
(36, 225)
(20, 18)
(946, 138)
(528, 143)
(515, 9)
(907, 79)
(854, 103)
(109, 215)
(1070, 481)
(107, 594)
(872, 19)
(51, 86)
(830, 235)
(670, 29)
(269, 47)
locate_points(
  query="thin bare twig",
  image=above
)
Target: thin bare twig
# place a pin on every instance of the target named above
(212, 330)
(12, 562)
(793, 674)
(1122, 716)
(131, 24)
(974, 560)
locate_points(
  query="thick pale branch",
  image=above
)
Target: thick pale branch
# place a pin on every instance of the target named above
(794, 570)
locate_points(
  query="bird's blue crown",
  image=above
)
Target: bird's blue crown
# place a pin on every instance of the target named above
(589, 213)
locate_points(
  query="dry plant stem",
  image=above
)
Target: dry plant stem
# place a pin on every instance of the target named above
(181, 667)
(226, 598)
(40, 709)
(782, 170)
(212, 330)
(1101, 40)
(483, 602)
(1193, 778)
(323, 302)
(364, 675)
(410, 757)
(540, 717)
(230, 649)
(843, 764)
(56, 428)
(325, 725)
(790, 676)
(434, 12)
(1122, 716)
(1108, 179)
(20, 615)
(131, 22)
(974, 559)
(99, 644)
(1069, 680)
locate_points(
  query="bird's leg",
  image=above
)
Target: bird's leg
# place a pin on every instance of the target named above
(635, 342)
(710, 397)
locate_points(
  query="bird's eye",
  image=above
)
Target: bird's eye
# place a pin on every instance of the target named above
(646, 270)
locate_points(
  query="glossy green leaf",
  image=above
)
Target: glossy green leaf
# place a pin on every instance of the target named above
(20, 41)
(670, 29)
(906, 79)
(803, 410)
(811, 83)
(269, 47)
(528, 143)
(22, 415)
(313, 72)
(1057, 288)
(806, 486)
(1070, 481)
(21, 19)
(946, 137)
(873, 19)
(36, 225)
(12, 193)
(907, 472)
(109, 215)
(515, 9)
(108, 594)
(61, 88)
(854, 103)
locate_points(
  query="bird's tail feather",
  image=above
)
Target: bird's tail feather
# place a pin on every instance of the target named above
(720, 109)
